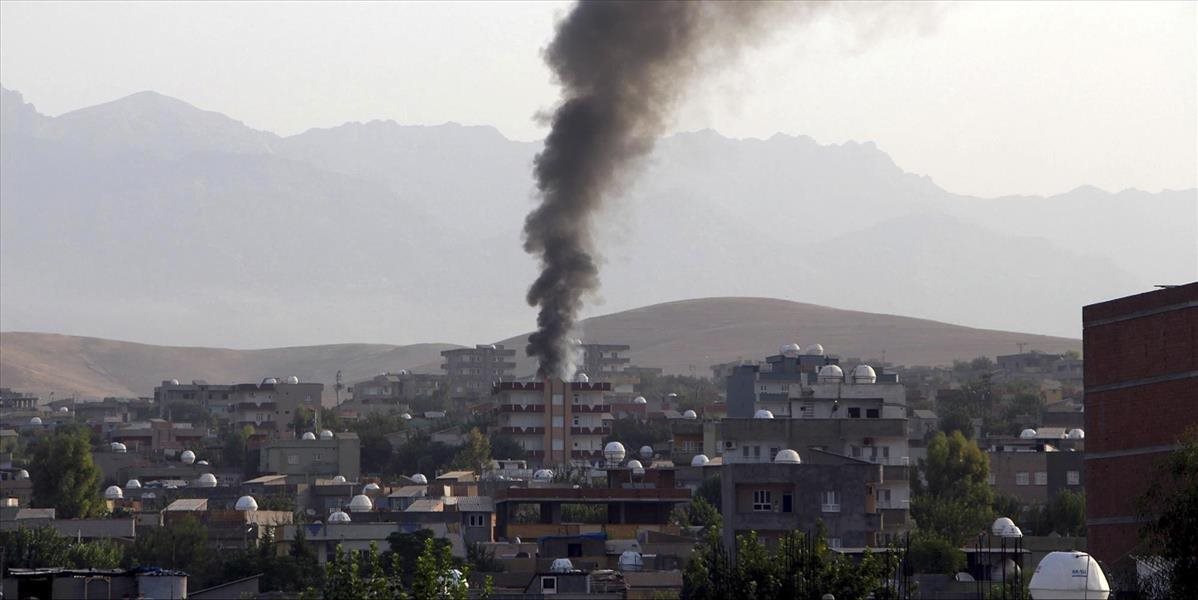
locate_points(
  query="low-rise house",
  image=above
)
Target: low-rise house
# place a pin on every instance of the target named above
(325, 456)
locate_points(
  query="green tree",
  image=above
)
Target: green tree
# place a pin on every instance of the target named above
(1064, 514)
(1171, 505)
(438, 575)
(699, 513)
(64, 476)
(504, 447)
(709, 490)
(43, 547)
(930, 553)
(475, 453)
(952, 496)
(182, 545)
(233, 454)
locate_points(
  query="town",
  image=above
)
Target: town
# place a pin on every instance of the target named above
(624, 482)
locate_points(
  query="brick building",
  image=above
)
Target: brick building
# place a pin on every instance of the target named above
(556, 422)
(470, 372)
(1141, 377)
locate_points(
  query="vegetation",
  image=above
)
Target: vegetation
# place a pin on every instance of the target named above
(930, 553)
(1064, 514)
(951, 494)
(420, 454)
(42, 547)
(475, 453)
(693, 392)
(1171, 505)
(634, 433)
(504, 447)
(64, 475)
(183, 545)
(699, 513)
(369, 575)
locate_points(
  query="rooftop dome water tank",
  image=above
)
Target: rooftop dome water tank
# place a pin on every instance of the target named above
(292, 380)
(202, 463)
(246, 503)
(640, 400)
(325, 434)
(763, 414)
(582, 378)
(22, 474)
(864, 374)
(419, 478)
(270, 381)
(689, 414)
(1005, 527)
(187, 457)
(561, 565)
(1076, 434)
(631, 560)
(63, 409)
(814, 350)
(370, 487)
(339, 479)
(788, 456)
(339, 517)
(207, 480)
(118, 447)
(790, 350)
(636, 466)
(646, 452)
(406, 417)
(35, 421)
(308, 435)
(361, 503)
(542, 475)
(699, 460)
(132, 484)
(613, 452)
(113, 493)
(830, 374)
(1027, 434)
(1069, 576)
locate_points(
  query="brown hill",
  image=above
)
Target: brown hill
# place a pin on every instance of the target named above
(681, 337)
(689, 336)
(94, 367)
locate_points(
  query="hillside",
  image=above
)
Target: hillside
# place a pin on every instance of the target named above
(681, 337)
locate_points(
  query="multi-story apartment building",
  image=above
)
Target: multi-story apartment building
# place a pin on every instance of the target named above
(556, 422)
(1038, 465)
(10, 400)
(788, 493)
(305, 460)
(269, 407)
(1141, 373)
(394, 388)
(471, 372)
(602, 360)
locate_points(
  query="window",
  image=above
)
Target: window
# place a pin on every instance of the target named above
(808, 410)
(1041, 478)
(773, 452)
(763, 500)
(787, 503)
(573, 550)
(756, 451)
(1021, 478)
(293, 459)
(744, 450)
(872, 413)
(856, 451)
(855, 412)
(558, 444)
(884, 498)
(990, 479)
(577, 421)
(1073, 478)
(557, 401)
(549, 585)
(477, 520)
(557, 421)
(834, 543)
(317, 457)
(830, 501)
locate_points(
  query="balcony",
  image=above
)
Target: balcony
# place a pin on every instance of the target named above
(894, 518)
(521, 408)
(895, 473)
(522, 430)
(590, 430)
(591, 408)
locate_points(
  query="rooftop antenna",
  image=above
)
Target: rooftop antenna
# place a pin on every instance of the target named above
(1021, 345)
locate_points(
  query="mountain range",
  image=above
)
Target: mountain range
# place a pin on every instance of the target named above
(684, 337)
(149, 219)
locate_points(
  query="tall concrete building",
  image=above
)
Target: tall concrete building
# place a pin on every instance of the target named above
(602, 360)
(1141, 382)
(471, 372)
(269, 407)
(556, 422)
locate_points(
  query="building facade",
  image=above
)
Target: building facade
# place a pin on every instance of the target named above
(1141, 373)
(302, 459)
(556, 422)
(270, 407)
(471, 372)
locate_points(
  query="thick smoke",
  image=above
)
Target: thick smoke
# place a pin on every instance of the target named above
(622, 67)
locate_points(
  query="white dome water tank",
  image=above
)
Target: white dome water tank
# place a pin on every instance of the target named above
(207, 480)
(246, 503)
(543, 475)
(63, 409)
(113, 493)
(339, 479)
(1076, 434)
(636, 466)
(325, 434)
(831, 374)
(420, 479)
(790, 350)
(561, 565)
(406, 417)
(1027, 434)
(270, 381)
(132, 484)
(187, 457)
(202, 463)
(35, 421)
(339, 517)
(361, 503)
(370, 487)
(690, 415)
(292, 380)
(640, 400)
(173, 382)
(646, 452)
(763, 414)
(788, 457)
(864, 374)
(308, 436)
(614, 453)
(814, 350)
(1005, 527)
(699, 460)
(118, 447)
(581, 377)
(631, 560)
(1069, 576)
(22, 474)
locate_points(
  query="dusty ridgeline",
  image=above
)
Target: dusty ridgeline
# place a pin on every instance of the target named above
(622, 67)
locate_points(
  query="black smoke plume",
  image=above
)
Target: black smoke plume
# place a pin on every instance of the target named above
(621, 67)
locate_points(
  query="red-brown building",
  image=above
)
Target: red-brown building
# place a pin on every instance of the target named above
(1141, 378)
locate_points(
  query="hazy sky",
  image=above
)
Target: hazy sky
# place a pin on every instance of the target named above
(986, 98)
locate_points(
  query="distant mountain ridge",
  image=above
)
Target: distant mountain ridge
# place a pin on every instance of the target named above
(685, 337)
(151, 219)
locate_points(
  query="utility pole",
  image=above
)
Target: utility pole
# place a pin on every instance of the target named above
(337, 387)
